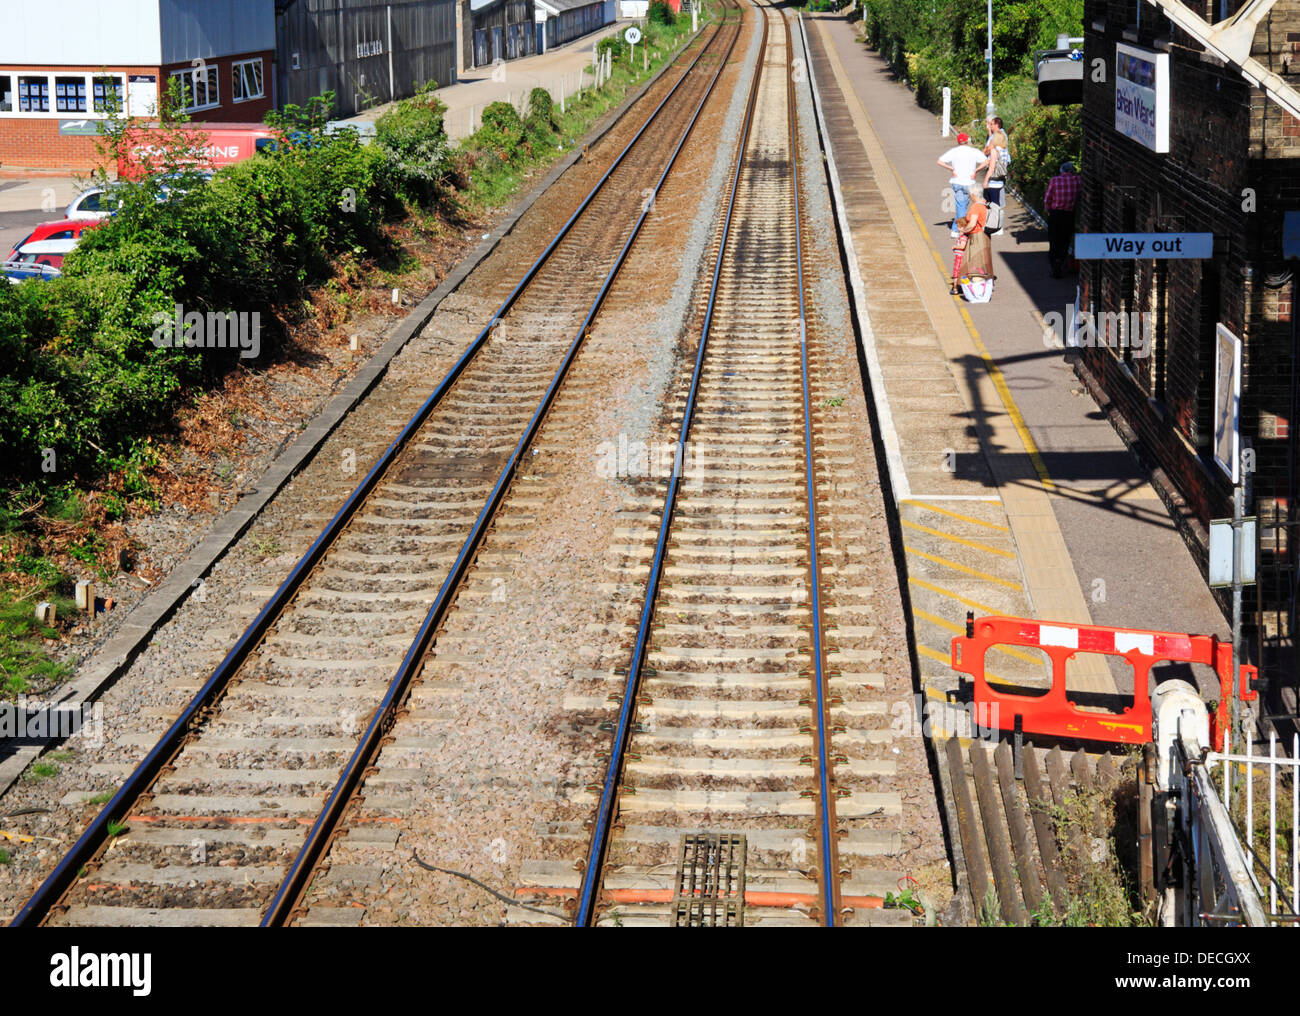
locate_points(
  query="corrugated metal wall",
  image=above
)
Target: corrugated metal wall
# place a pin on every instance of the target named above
(344, 45)
(210, 28)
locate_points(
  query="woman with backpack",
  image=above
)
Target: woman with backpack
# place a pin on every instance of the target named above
(995, 177)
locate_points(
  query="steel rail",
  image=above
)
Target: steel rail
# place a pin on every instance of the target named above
(95, 836)
(825, 775)
(296, 881)
(607, 806)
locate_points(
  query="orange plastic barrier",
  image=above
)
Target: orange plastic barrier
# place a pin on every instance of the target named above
(1053, 713)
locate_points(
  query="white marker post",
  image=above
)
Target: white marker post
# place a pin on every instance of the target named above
(947, 112)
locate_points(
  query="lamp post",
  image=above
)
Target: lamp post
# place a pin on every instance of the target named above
(988, 58)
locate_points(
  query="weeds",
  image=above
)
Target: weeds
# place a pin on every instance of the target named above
(40, 771)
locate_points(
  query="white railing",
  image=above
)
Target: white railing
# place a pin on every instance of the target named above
(1225, 879)
(1274, 769)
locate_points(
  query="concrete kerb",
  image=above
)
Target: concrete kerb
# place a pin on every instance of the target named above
(112, 659)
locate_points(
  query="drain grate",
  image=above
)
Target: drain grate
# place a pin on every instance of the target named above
(710, 890)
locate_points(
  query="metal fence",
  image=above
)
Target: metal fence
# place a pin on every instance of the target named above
(365, 52)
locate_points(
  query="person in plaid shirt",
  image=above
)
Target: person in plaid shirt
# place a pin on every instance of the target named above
(1058, 202)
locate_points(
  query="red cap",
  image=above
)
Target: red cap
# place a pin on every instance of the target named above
(962, 138)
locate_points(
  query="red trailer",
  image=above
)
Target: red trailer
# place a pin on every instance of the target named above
(214, 144)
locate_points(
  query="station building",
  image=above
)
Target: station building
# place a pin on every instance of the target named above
(1175, 140)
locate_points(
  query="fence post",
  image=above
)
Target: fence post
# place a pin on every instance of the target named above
(947, 112)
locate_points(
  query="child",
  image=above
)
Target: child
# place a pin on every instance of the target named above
(958, 249)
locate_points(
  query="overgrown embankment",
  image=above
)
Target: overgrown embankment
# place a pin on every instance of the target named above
(107, 366)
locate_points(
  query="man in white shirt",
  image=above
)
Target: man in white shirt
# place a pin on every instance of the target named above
(963, 162)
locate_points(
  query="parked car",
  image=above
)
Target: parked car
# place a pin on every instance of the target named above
(49, 242)
(96, 203)
(16, 272)
(93, 203)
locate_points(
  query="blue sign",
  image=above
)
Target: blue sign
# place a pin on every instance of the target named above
(1142, 246)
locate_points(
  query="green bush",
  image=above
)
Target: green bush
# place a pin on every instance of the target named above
(937, 45)
(416, 151)
(501, 132)
(661, 14)
(541, 115)
(1045, 137)
(614, 45)
(84, 375)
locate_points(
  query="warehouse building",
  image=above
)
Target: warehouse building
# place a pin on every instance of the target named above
(365, 52)
(562, 21)
(497, 30)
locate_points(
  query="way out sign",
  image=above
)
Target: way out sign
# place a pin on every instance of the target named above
(1142, 246)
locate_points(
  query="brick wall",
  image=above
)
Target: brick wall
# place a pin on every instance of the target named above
(1232, 169)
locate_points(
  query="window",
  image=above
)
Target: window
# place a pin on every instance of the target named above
(199, 87)
(246, 80)
(33, 94)
(70, 94)
(105, 88)
(60, 95)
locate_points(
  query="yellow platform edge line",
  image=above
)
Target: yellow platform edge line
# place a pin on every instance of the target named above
(963, 568)
(974, 544)
(956, 515)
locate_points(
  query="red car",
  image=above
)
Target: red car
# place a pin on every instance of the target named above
(49, 242)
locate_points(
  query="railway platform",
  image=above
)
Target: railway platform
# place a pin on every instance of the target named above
(1014, 494)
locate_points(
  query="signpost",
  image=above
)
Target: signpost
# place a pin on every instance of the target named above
(633, 36)
(1142, 246)
(1227, 456)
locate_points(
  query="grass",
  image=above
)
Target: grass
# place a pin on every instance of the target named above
(5, 856)
(40, 771)
(103, 798)
(1103, 890)
(117, 828)
(268, 546)
(24, 664)
(1259, 838)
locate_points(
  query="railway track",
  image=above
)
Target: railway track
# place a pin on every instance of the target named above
(724, 800)
(226, 826)
(741, 757)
